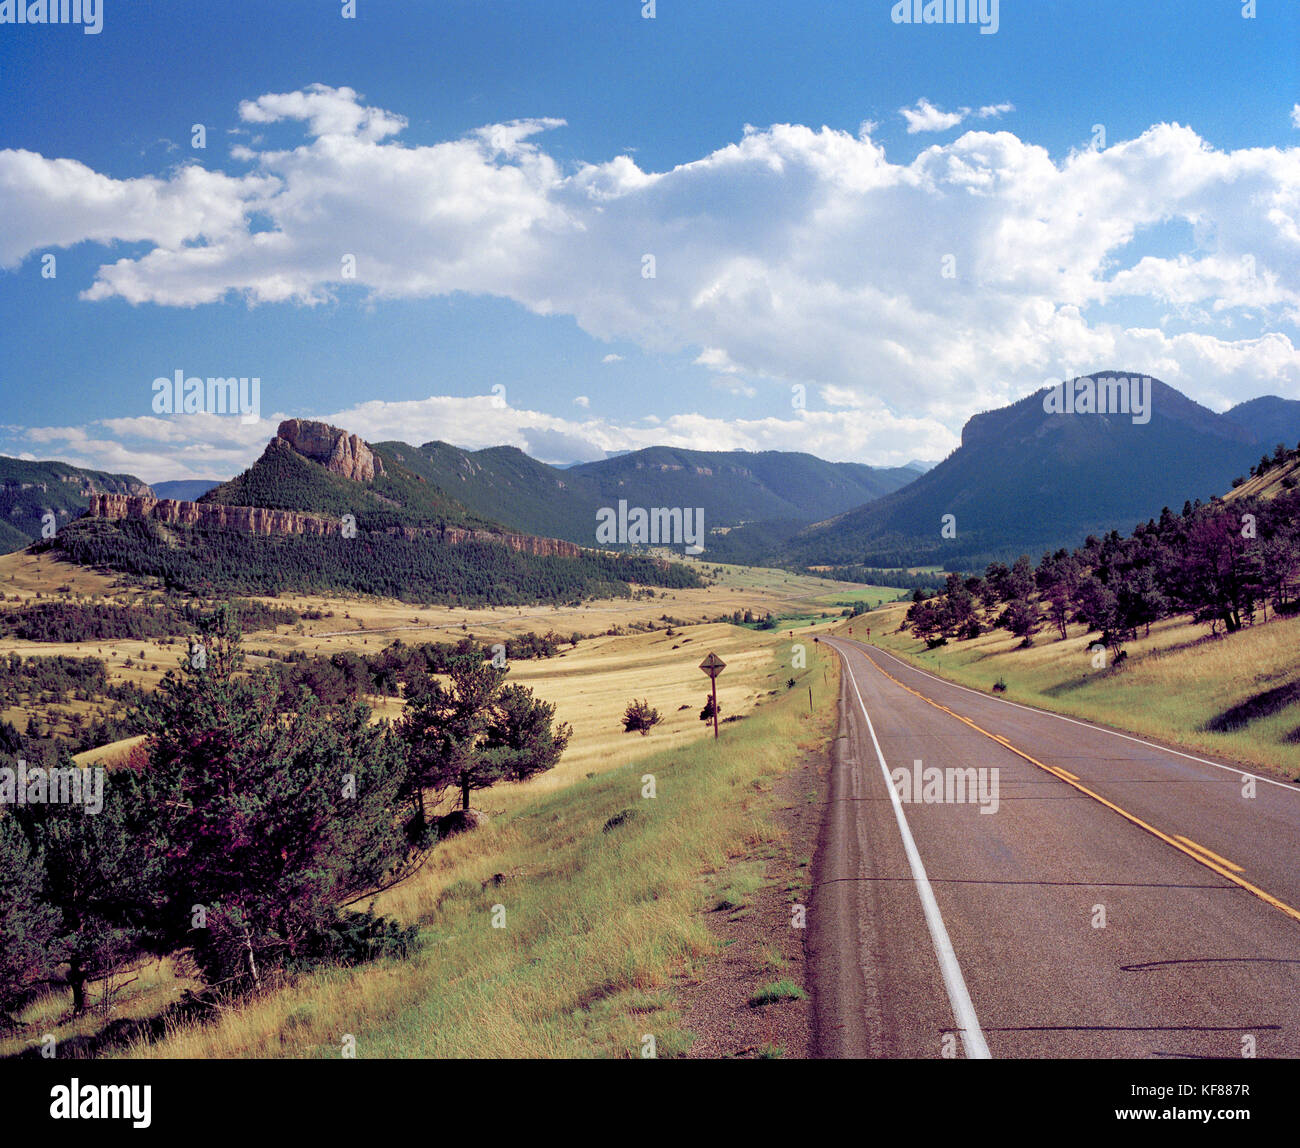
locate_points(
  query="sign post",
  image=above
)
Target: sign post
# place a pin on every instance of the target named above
(713, 666)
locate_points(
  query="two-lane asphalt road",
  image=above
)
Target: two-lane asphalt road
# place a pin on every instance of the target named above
(1035, 886)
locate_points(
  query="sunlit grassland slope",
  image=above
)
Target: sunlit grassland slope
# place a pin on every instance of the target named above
(1235, 696)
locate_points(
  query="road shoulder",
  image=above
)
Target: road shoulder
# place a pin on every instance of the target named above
(759, 947)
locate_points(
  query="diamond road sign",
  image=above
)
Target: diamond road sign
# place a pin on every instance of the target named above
(713, 665)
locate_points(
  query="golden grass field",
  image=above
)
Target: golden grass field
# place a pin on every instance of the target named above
(1267, 485)
(598, 923)
(1170, 686)
(369, 625)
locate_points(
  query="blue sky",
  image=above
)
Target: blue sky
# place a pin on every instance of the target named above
(831, 274)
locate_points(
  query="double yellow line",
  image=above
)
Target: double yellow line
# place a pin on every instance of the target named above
(1220, 865)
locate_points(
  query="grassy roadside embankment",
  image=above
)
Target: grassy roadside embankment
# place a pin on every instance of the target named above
(1235, 696)
(603, 896)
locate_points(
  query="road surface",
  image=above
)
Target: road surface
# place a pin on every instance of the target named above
(1114, 899)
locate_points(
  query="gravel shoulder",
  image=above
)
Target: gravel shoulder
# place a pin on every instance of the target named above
(759, 945)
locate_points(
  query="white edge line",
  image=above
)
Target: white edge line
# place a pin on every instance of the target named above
(971, 1035)
(1075, 721)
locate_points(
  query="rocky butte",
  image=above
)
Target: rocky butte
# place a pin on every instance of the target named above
(335, 449)
(338, 452)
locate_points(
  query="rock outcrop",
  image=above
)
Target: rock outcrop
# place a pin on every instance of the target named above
(524, 543)
(707, 471)
(249, 519)
(86, 486)
(260, 520)
(334, 449)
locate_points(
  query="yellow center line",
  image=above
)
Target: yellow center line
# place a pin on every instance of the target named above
(1210, 853)
(1197, 853)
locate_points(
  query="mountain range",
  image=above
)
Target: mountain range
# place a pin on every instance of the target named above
(507, 486)
(1269, 418)
(323, 512)
(1023, 480)
(187, 489)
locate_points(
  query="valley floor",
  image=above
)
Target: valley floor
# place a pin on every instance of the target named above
(635, 922)
(366, 626)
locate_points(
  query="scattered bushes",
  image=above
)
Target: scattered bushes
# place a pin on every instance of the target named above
(640, 717)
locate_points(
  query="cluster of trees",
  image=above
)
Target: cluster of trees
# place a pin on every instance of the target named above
(86, 622)
(1279, 457)
(251, 824)
(41, 681)
(1223, 563)
(749, 617)
(50, 677)
(87, 732)
(105, 621)
(472, 732)
(349, 674)
(875, 576)
(224, 563)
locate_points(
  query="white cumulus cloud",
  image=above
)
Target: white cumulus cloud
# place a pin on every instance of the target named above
(925, 117)
(949, 283)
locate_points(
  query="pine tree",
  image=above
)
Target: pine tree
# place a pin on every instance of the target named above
(269, 818)
(96, 877)
(473, 732)
(29, 925)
